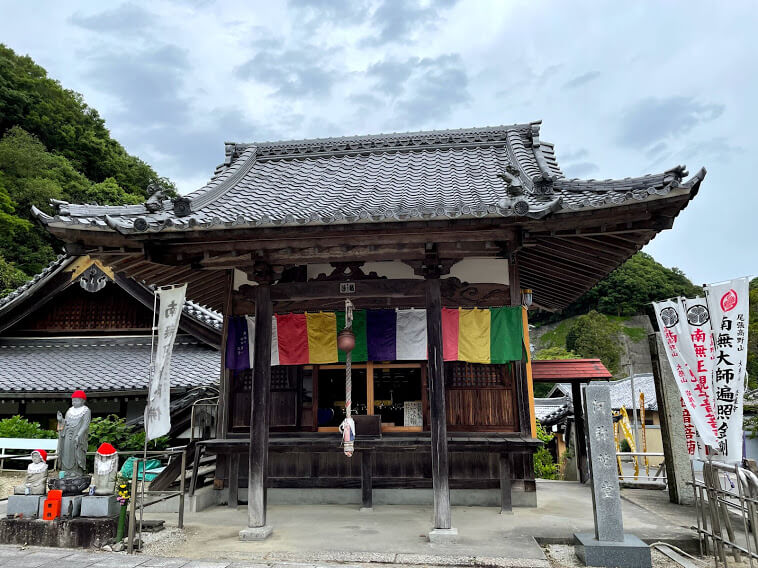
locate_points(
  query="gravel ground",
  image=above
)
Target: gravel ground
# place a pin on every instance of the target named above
(8, 480)
(562, 556)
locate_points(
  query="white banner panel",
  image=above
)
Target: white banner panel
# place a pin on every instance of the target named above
(157, 412)
(680, 351)
(728, 306)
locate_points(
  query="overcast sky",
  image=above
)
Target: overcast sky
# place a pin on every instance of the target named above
(622, 88)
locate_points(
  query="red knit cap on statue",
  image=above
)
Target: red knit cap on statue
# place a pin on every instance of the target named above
(106, 449)
(42, 454)
(79, 394)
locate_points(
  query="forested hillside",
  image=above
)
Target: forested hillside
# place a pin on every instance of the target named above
(52, 145)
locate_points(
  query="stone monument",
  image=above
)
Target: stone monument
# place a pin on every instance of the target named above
(26, 497)
(101, 501)
(73, 433)
(609, 546)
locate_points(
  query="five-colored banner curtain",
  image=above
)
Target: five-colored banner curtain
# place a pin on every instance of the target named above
(493, 335)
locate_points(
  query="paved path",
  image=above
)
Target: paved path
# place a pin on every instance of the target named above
(39, 557)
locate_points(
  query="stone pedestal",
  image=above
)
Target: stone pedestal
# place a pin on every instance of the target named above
(75, 500)
(29, 506)
(100, 506)
(629, 553)
(256, 533)
(443, 536)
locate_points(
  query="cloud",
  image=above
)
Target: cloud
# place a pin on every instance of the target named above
(573, 155)
(399, 21)
(124, 19)
(579, 169)
(581, 79)
(148, 83)
(316, 12)
(293, 72)
(391, 75)
(418, 90)
(651, 120)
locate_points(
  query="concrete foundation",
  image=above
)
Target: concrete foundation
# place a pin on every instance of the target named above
(207, 497)
(100, 506)
(27, 506)
(256, 533)
(631, 553)
(443, 536)
(68, 533)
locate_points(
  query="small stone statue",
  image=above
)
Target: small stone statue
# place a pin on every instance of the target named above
(106, 469)
(73, 431)
(36, 476)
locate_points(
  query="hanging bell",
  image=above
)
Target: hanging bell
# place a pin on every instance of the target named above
(346, 340)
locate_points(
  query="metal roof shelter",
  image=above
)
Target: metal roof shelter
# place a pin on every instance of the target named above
(450, 218)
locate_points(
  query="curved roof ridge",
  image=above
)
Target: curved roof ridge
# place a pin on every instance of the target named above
(263, 145)
(36, 281)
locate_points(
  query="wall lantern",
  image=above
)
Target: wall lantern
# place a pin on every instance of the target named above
(526, 297)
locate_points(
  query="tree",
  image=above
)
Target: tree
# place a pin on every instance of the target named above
(552, 353)
(629, 290)
(595, 336)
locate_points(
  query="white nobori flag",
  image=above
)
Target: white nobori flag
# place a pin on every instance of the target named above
(691, 377)
(157, 413)
(728, 306)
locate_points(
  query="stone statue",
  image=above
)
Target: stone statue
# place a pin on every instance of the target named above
(106, 469)
(36, 476)
(73, 431)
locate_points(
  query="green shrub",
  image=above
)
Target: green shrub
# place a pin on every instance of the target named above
(115, 431)
(544, 467)
(17, 427)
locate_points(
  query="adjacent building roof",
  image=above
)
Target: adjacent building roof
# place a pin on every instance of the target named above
(621, 392)
(498, 171)
(551, 410)
(62, 365)
(561, 370)
(30, 292)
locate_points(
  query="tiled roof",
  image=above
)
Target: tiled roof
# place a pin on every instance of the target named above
(99, 364)
(201, 313)
(479, 172)
(621, 392)
(28, 287)
(566, 369)
(550, 410)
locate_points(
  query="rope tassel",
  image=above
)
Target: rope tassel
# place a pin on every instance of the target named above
(348, 425)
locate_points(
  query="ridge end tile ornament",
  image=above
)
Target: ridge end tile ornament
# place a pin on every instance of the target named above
(609, 546)
(73, 433)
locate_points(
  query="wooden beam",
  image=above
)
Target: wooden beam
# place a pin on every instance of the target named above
(437, 413)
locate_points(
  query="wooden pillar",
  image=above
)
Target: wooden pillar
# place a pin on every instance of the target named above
(222, 414)
(259, 417)
(581, 439)
(234, 470)
(505, 483)
(522, 387)
(437, 414)
(367, 481)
